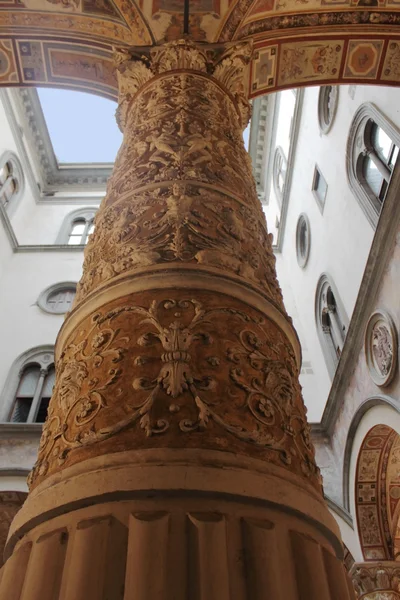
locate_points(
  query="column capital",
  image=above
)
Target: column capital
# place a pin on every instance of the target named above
(227, 63)
(376, 580)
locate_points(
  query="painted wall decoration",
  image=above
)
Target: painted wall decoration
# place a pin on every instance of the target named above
(8, 68)
(381, 348)
(297, 42)
(324, 60)
(377, 467)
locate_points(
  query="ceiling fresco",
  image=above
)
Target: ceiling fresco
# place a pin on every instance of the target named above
(69, 43)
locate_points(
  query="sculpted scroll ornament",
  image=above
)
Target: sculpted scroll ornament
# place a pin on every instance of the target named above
(180, 223)
(180, 370)
(227, 63)
(377, 581)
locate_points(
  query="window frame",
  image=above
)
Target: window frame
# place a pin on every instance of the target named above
(326, 283)
(43, 356)
(87, 214)
(359, 148)
(42, 301)
(314, 188)
(17, 175)
(325, 124)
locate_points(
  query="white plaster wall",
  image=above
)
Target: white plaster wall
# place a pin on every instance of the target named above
(41, 223)
(340, 237)
(23, 324)
(5, 251)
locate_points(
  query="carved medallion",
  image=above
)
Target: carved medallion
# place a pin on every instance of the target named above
(381, 348)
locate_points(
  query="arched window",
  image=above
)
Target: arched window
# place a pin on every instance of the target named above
(29, 387)
(279, 173)
(57, 299)
(372, 150)
(331, 321)
(11, 179)
(80, 231)
(77, 227)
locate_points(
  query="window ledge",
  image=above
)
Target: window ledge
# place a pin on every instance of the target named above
(8, 430)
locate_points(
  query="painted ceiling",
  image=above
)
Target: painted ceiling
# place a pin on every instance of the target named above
(69, 43)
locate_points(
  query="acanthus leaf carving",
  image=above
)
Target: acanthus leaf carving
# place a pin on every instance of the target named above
(176, 337)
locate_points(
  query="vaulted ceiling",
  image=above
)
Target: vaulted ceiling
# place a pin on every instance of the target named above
(68, 43)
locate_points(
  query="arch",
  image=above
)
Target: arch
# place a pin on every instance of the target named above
(377, 493)
(364, 407)
(43, 356)
(69, 44)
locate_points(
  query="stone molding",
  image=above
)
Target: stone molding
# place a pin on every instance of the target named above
(52, 176)
(17, 247)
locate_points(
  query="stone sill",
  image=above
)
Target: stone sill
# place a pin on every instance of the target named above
(20, 430)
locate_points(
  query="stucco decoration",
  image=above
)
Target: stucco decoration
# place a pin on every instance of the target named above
(381, 347)
(376, 580)
(376, 505)
(172, 367)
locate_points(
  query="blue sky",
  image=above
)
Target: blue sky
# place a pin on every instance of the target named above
(82, 126)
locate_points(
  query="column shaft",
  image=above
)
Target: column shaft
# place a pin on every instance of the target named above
(176, 444)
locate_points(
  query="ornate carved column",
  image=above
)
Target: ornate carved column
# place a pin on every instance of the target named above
(377, 580)
(176, 460)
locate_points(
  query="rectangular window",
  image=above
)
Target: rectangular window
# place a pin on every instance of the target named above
(319, 188)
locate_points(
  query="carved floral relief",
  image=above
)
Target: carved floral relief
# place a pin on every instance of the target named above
(376, 581)
(177, 368)
(162, 372)
(180, 224)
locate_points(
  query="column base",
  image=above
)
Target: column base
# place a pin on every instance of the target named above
(174, 525)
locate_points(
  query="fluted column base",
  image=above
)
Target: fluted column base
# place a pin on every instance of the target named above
(376, 580)
(207, 527)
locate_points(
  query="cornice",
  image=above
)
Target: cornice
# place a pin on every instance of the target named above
(25, 116)
(17, 247)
